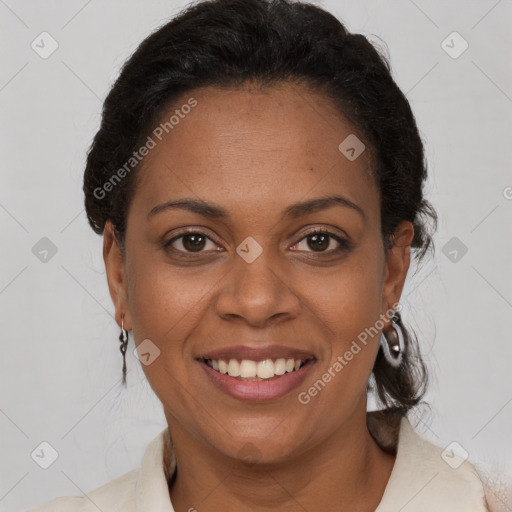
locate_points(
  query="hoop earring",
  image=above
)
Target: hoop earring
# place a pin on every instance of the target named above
(393, 342)
(123, 338)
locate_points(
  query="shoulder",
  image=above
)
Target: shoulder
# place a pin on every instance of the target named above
(114, 496)
(427, 477)
(144, 488)
(452, 478)
(497, 487)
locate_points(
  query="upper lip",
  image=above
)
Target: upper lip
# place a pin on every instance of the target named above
(257, 353)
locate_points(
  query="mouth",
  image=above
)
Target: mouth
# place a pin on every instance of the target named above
(251, 374)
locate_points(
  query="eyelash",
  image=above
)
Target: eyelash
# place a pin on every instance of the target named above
(343, 244)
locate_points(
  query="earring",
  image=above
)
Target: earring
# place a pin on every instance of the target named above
(123, 338)
(393, 343)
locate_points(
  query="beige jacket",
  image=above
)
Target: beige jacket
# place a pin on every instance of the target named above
(421, 480)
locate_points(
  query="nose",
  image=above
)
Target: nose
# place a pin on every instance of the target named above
(257, 293)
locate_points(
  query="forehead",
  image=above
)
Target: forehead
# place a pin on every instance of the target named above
(264, 146)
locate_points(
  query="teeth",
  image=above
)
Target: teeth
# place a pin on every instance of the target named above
(247, 368)
(223, 366)
(255, 370)
(233, 368)
(280, 366)
(265, 369)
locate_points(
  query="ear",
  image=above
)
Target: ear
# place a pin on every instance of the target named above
(116, 275)
(397, 264)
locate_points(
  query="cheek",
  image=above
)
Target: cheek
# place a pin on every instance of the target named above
(165, 302)
(349, 299)
(348, 304)
(166, 305)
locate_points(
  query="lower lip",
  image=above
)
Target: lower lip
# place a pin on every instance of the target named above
(258, 391)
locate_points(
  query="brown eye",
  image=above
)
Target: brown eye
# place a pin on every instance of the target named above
(193, 242)
(321, 241)
(318, 241)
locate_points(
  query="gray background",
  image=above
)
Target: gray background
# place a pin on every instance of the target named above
(60, 362)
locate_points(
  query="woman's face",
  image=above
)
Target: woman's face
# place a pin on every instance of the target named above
(252, 282)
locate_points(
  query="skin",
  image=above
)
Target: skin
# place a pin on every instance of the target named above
(253, 152)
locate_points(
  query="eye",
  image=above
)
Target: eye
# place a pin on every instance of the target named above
(191, 242)
(322, 241)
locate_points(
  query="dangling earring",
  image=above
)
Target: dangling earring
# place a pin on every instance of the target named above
(123, 338)
(393, 343)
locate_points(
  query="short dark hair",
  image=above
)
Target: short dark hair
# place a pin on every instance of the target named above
(226, 43)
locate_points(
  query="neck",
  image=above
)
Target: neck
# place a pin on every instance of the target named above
(347, 471)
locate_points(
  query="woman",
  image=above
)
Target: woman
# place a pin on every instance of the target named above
(258, 181)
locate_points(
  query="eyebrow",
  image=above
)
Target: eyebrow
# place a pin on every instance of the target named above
(290, 212)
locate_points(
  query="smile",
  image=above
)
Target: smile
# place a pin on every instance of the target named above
(256, 381)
